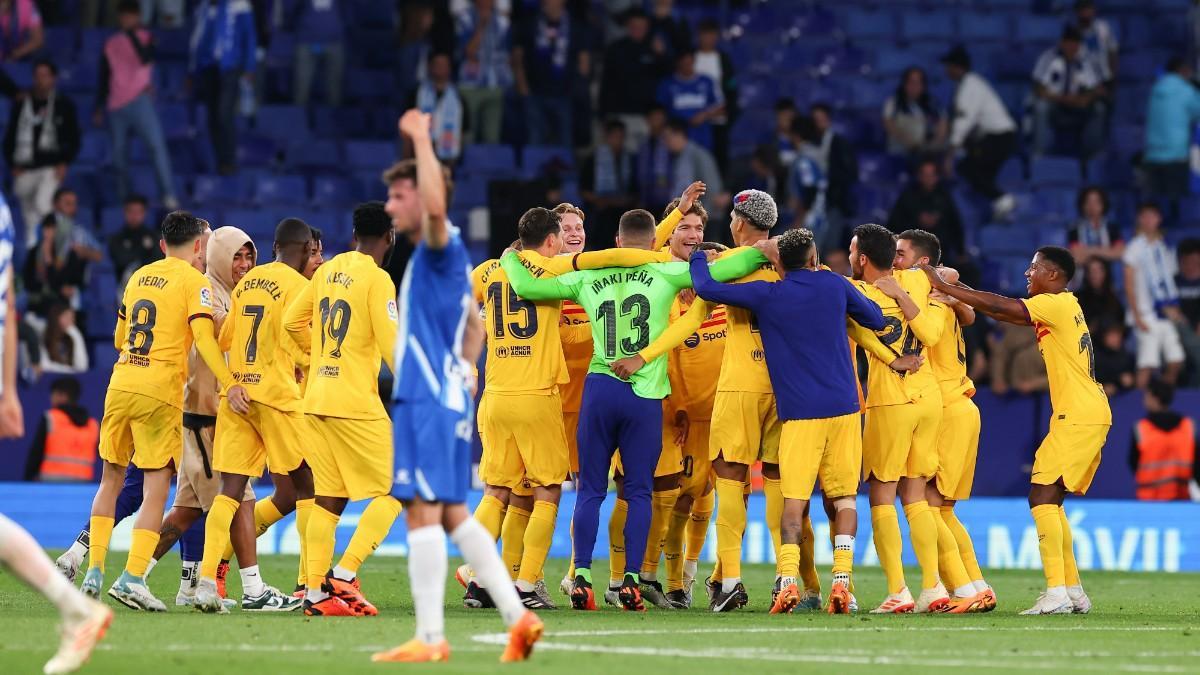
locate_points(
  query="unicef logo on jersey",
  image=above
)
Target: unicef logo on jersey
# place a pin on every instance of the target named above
(692, 341)
(502, 352)
(758, 355)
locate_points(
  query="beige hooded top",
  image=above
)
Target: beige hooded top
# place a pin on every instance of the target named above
(203, 392)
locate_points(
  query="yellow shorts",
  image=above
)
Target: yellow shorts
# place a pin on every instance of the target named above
(958, 445)
(264, 437)
(350, 458)
(697, 467)
(524, 443)
(141, 430)
(571, 427)
(745, 428)
(195, 488)
(829, 447)
(900, 441)
(1070, 452)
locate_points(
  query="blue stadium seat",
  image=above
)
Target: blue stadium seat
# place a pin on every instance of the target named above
(172, 43)
(61, 43)
(176, 120)
(312, 154)
(21, 72)
(1039, 30)
(111, 219)
(282, 122)
(1055, 203)
(863, 24)
(977, 27)
(1062, 171)
(333, 191)
(258, 223)
(255, 151)
(935, 25)
(280, 191)
(484, 158)
(94, 149)
(470, 191)
(370, 154)
(1052, 234)
(91, 42)
(213, 189)
(536, 157)
(999, 240)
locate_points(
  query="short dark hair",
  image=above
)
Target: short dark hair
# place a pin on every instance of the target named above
(707, 24)
(656, 107)
(822, 106)
(535, 226)
(48, 64)
(804, 127)
(371, 221)
(181, 227)
(406, 169)
(614, 124)
(784, 103)
(1061, 258)
(1176, 63)
(1083, 195)
(637, 223)
(316, 233)
(677, 125)
(685, 52)
(1189, 246)
(292, 231)
(60, 192)
(877, 243)
(697, 209)
(795, 247)
(135, 198)
(1149, 206)
(1162, 391)
(129, 7)
(926, 242)
(1071, 34)
(67, 386)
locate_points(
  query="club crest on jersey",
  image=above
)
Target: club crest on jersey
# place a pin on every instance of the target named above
(758, 355)
(393, 314)
(206, 297)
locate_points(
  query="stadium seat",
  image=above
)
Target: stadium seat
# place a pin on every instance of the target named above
(255, 151)
(1063, 171)
(333, 191)
(535, 158)
(470, 190)
(280, 190)
(172, 43)
(484, 158)
(111, 219)
(314, 154)
(282, 122)
(175, 119)
(370, 154)
(94, 149)
(258, 223)
(977, 27)
(862, 24)
(212, 189)
(935, 25)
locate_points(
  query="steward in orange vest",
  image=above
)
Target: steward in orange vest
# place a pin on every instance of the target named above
(64, 449)
(1163, 456)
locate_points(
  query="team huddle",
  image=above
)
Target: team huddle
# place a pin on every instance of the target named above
(668, 365)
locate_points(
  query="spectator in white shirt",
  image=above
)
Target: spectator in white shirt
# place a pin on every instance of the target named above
(1099, 39)
(1068, 97)
(981, 130)
(1153, 298)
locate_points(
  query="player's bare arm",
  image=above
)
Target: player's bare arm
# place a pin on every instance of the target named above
(415, 126)
(12, 419)
(996, 306)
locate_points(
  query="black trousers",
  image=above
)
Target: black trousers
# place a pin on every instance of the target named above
(985, 156)
(218, 91)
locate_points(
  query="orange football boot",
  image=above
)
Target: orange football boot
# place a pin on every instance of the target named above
(786, 600)
(522, 636)
(331, 606)
(971, 605)
(349, 592)
(222, 572)
(415, 651)
(839, 599)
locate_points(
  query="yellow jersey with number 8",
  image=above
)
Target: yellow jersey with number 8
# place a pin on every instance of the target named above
(154, 330)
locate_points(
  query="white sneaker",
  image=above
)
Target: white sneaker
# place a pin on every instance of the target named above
(131, 591)
(1051, 601)
(1002, 207)
(896, 603)
(567, 586)
(68, 565)
(612, 596)
(463, 575)
(932, 599)
(1081, 603)
(79, 637)
(207, 599)
(853, 604)
(185, 599)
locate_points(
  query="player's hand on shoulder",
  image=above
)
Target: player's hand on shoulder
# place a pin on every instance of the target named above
(907, 363)
(239, 399)
(770, 249)
(935, 279)
(890, 287)
(626, 367)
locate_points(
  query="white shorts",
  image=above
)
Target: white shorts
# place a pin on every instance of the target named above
(1159, 345)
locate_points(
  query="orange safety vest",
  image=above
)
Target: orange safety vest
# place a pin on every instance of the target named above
(70, 450)
(1165, 461)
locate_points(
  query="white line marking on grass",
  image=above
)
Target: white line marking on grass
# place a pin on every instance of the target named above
(923, 628)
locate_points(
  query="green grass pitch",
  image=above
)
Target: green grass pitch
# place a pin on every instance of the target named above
(1145, 623)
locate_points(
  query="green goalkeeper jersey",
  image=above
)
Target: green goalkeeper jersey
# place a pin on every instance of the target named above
(629, 308)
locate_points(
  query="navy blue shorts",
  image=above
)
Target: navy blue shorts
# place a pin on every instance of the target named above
(433, 453)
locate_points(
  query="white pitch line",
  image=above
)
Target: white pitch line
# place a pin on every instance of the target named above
(924, 628)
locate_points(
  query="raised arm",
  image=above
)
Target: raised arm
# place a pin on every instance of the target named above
(749, 295)
(531, 288)
(998, 307)
(297, 320)
(431, 186)
(662, 233)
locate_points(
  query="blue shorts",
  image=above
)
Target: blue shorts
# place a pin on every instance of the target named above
(433, 453)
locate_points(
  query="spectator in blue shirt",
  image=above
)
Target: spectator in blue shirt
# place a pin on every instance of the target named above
(483, 72)
(319, 28)
(551, 68)
(222, 55)
(1174, 107)
(692, 97)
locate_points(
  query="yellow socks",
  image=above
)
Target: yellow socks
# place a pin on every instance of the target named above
(662, 505)
(697, 528)
(1070, 569)
(1046, 519)
(673, 549)
(141, 549)
(304, 509)
(490, 514)
(773, 492)
(538, 534)
(616, 542)
(216, 534)
(512, 538)
(373, 527)
(923, 532)
(789, 561)
(808, 561)
(100, 530)
(321, 527)
(950, 564)
(266, 514)
(731, 523)
(843, 558)
(966, 550)
(885, 527)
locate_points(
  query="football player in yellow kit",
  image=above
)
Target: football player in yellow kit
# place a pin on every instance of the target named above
(958, 435)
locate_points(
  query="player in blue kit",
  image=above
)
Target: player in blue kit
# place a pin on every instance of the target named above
(440, 336)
